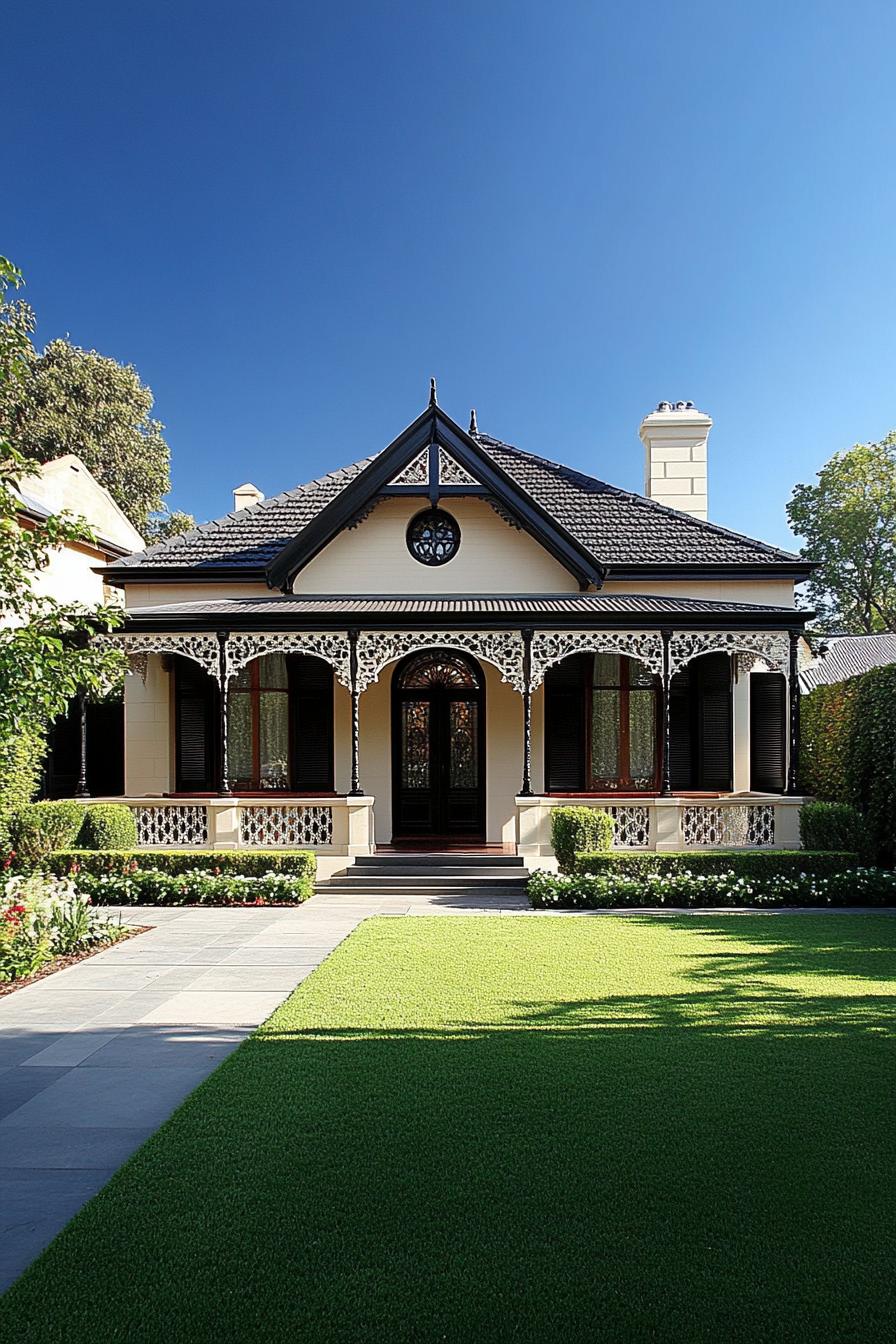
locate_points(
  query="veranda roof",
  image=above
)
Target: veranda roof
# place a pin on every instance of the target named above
(552, 609)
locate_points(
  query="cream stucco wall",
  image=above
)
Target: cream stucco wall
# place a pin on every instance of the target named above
(164, 594)
(149, 729)
(493, 557)
(763, 592)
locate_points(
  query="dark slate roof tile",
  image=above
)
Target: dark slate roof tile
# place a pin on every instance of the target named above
(617, 527)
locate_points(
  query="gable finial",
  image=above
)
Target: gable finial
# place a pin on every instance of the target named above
(432, 392)
(474, 428)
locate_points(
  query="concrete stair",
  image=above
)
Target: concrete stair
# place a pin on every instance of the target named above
(490, 876)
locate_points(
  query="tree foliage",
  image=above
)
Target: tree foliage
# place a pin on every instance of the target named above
(848, 522)
(69, 400)
(167, 523)
(46, 656)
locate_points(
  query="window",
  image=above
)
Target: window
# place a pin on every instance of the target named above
(258, 725)
(601, 725)
(623, 724)
(433, 537)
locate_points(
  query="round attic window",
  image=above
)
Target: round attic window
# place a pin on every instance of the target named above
(433, 537)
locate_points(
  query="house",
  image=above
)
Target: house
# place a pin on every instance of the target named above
(74, 573)
(839, 657)
(443, 641)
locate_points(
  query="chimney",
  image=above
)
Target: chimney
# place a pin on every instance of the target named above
(674, 438)
(244, 496)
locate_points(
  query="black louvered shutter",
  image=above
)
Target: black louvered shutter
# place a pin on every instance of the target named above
(311, 692)
(564, 718)
(712, 675)
(768, 700)
(195, 718)
(681, 731)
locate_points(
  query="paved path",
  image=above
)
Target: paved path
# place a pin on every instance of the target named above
(94, 1058)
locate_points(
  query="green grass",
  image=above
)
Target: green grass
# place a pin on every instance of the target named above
(476, 1129)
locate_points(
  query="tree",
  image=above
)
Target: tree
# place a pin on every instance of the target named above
(69, 400)
(848, 522)
(168, 523)
(46, 653)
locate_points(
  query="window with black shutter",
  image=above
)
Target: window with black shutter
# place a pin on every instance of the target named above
(768, 709)
(311, 700)
(195, 728)
(700, 721)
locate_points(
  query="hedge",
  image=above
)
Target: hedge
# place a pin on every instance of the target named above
(832, 826)
(108, 826)
(240, 862)
(624, 890)
(579, 828)
(151, 887)
(848, 751)
(21, 756)
(756, 864)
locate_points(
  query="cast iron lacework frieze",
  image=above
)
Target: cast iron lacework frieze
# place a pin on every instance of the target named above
(773, 647)
(552, 646)
(331, 647)
(502, 648)
(203, 649)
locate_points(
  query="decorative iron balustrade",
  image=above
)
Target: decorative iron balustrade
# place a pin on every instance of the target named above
(737, 826)
(176, 825)
(631, 826)
(286, 826)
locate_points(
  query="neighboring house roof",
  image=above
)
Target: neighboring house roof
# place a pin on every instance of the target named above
(844, 656)
(615, 529)
(65, 484)
(231, 612)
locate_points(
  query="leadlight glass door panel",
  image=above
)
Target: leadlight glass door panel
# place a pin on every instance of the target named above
(438, 747)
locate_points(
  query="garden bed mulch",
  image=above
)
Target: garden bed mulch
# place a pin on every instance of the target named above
(62, 963)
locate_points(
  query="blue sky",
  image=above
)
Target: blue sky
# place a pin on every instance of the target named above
(289, 215)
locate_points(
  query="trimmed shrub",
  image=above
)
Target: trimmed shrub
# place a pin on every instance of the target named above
(574, 829)
(832, 826)
(755, 864)
(151, 887)
(621, 889)
(38, 828)
(242, 862)
(108, 826)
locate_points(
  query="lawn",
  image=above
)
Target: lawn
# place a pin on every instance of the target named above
(521, 1129)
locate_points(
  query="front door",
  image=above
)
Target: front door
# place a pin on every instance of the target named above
(438, 747)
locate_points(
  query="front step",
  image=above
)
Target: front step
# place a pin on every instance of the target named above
(489, 876)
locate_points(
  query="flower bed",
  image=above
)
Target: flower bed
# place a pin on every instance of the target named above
(683, 889)
(758, 864)
(193, 887)
(43, 918)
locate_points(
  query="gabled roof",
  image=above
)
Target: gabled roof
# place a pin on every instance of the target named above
(591, 526)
